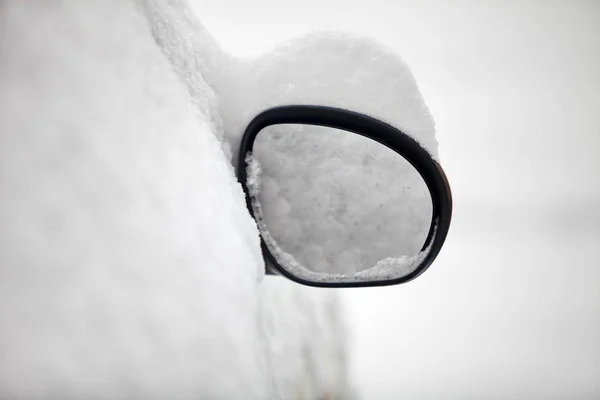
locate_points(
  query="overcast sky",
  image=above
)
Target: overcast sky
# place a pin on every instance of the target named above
(511, 308)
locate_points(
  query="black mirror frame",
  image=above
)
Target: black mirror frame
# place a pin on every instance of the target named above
(431, 172)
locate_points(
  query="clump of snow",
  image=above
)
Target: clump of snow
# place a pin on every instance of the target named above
(325, 68)
(395, 267)
(253, 175)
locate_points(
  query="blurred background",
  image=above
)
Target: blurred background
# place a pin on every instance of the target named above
(511, 307)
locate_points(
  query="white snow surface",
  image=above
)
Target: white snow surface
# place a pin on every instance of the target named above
(330, 69)
(320, 244)
(129, 265)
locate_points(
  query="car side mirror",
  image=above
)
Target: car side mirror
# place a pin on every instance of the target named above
(342, 199)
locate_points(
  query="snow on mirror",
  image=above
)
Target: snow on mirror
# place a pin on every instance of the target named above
(335, 206)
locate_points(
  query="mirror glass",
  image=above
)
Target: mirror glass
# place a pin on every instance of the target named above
(333, 205)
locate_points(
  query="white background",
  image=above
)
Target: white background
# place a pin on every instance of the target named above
(511, 308)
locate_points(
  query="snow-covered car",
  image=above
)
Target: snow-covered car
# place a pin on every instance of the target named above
(130, 266)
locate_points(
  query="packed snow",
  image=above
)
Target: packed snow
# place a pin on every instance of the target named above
(129, 265)
(319, 240)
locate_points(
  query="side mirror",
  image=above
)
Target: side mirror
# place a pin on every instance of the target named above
(342, 199)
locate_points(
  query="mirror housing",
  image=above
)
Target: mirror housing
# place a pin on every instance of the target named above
(402, 144)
